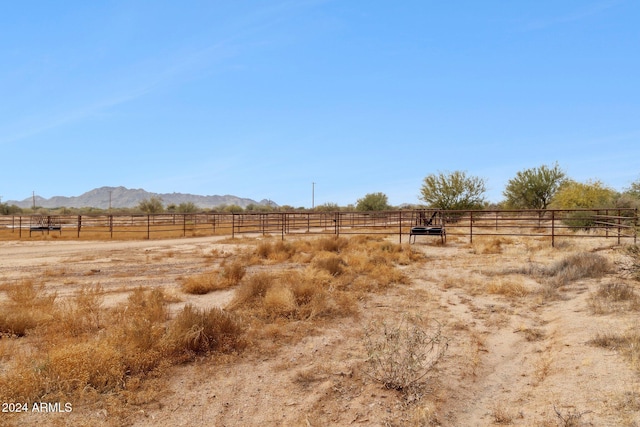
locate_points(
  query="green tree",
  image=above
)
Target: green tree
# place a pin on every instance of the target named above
(453, 191)
(590, 194)
(533, 188)
(327, 207)
(6, 209)
(634, 189)
(152, 205)
(187, 207)
(230, 208)
(373, 202)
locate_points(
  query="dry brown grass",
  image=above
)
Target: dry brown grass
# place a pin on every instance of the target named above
(612, 297)
(492, 245)
(203, 283)
(512, 287)
(627, 343)
(577, 266)
(195, 332)
(401, 355)
(29, 305)
(89, 349)
(294, 295)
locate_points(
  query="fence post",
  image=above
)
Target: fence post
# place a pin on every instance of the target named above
(635, 226)
(233, 226)
(184, 224)
(282, 215)
(111, 225)
(619, 226)
(148, 226)
(553, 229)
(336, 221)
(20, 226)
(470, 226)
(79, 224)
(400, 226)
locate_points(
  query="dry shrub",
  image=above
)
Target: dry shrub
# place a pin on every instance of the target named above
(627, 343)
(22, 382)
(233, 274)
(570, 419)
(312, 296)
(331, 244)
(279, 301)
(74, 367)
(613, 297)
(509, 287)
(631, 265)
(577, 266)
(138, 329)
(386, 275)
(201, 284)
(501, 415)
(83, 314)
(276, 251)
(399, 356)
(194, 332)
(147, 304)
(490, 246)
(329, 262)
(295, 295)
(29, 306)
(252, 289)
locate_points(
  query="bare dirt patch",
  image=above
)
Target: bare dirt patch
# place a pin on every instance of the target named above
(519, 352)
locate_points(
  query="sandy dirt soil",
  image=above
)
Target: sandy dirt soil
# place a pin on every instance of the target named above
(511, 360)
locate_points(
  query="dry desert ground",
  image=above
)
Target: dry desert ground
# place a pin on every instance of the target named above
(502, 331)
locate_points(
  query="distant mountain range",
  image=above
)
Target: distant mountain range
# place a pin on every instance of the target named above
(121, 197)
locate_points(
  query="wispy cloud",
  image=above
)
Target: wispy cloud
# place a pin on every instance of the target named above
(578, 15)
(152, 73)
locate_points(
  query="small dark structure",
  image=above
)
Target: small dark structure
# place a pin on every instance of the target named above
(428, 228)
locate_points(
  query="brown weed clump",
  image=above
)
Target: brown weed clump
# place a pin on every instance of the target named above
(612, 297)
(196, 332)
(294, 295)
(275, 251)
(29, 306)
(331, 244)
(577, 266)
(204, 283)
(627, 343)
(401, 355)
(330, 262)
(512, 287)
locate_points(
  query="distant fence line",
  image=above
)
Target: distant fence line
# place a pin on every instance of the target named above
(615, 223)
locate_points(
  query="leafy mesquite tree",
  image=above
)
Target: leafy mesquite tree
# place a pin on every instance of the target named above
(590, 194)
(373, 202)
(453, 191)
(152, 205)
(534, 188)
(187, 207)
(634, 189)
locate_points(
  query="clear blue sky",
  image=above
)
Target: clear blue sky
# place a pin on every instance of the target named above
(261, 98)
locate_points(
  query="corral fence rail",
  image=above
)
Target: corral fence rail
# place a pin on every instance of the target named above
(618, 223)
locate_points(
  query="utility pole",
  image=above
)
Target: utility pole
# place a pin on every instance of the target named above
(33, 198)
(313, 195)
(109, 200)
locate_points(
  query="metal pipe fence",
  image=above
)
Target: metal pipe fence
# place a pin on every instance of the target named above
(620, 224)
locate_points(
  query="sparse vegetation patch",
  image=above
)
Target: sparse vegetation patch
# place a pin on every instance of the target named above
(401, 355)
